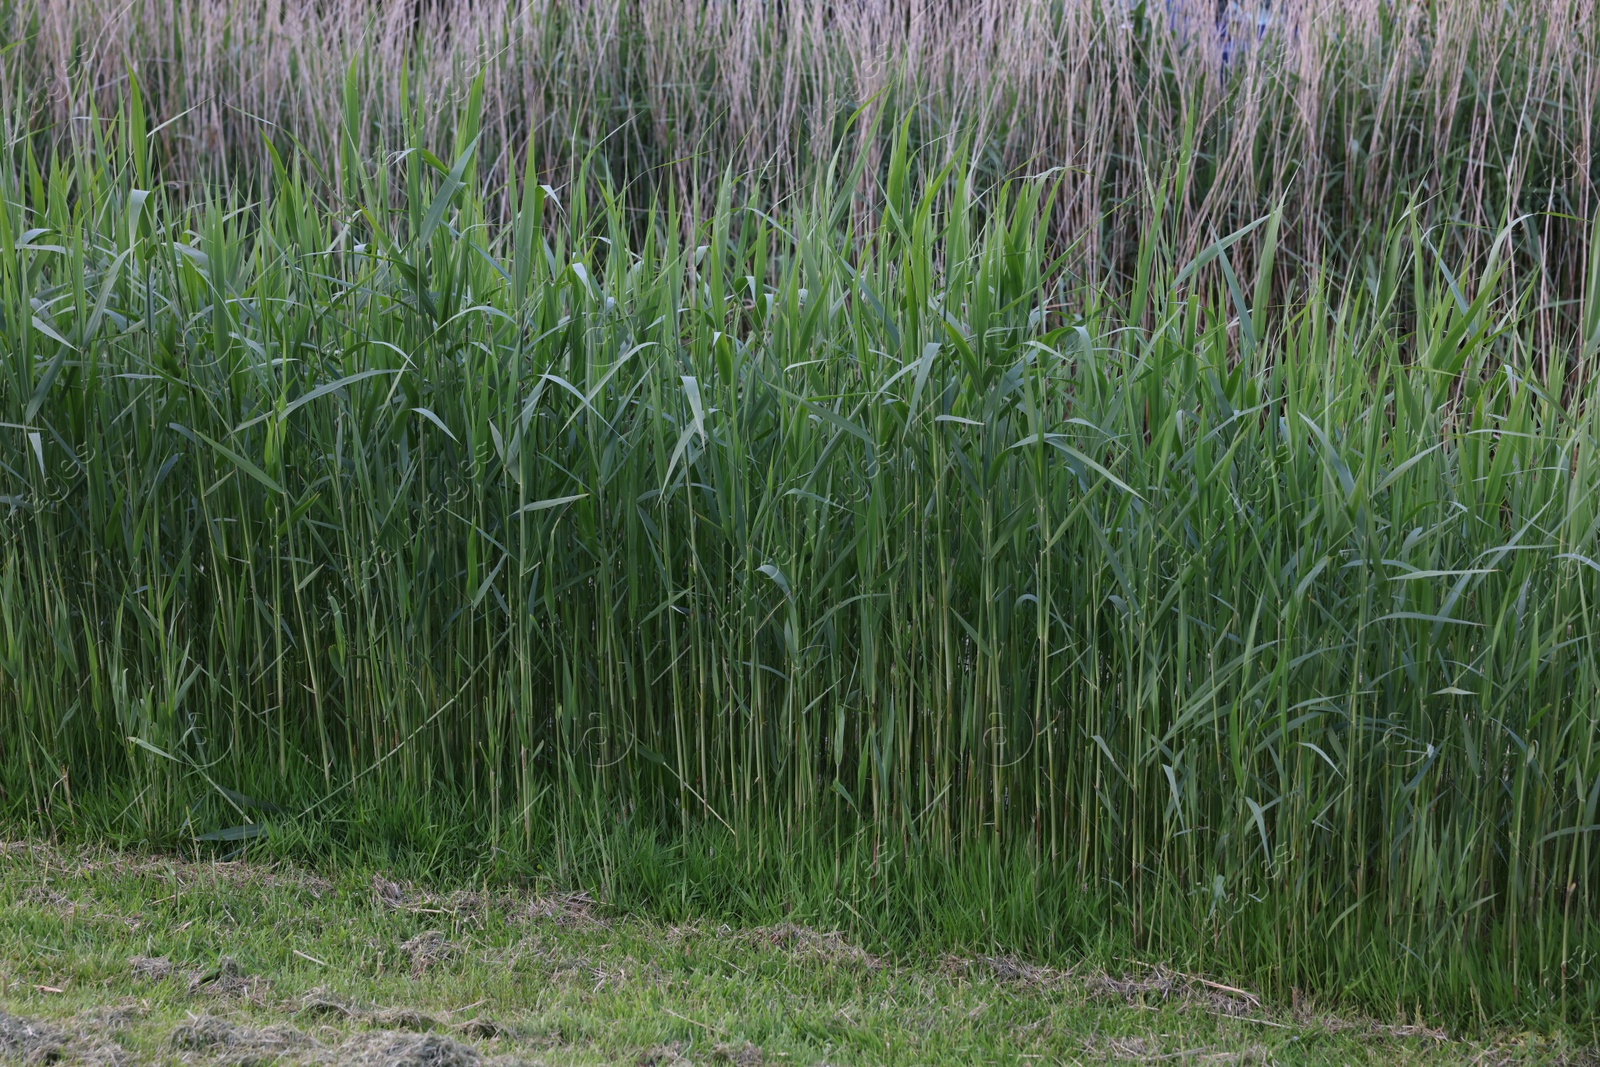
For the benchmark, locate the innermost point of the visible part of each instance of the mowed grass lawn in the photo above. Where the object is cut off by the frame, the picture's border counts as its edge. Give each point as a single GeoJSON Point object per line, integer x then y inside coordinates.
{"type": "Point", "coordinates": [117, 958]}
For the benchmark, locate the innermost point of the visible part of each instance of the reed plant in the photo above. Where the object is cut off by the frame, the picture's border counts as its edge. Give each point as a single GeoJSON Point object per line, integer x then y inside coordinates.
{"type": "Point", "coordinates": [789, 551]}
{"type": "Point", "coordinates": [1339, 111]}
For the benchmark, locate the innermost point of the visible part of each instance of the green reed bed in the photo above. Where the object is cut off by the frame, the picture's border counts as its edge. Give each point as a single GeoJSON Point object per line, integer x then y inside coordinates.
{"type": "Point", "coordinates": [805, 556]}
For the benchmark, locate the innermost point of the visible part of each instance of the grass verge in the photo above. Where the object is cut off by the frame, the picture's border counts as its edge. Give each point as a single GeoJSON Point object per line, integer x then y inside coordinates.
{"type": "Point", "coordinates": [121, 958]}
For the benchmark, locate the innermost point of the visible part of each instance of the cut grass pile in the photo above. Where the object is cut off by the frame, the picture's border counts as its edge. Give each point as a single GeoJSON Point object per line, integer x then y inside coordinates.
{"type": "Point", "coordinates": [119, 959]}
{"type": "Point", "coordinates": [847, 550]}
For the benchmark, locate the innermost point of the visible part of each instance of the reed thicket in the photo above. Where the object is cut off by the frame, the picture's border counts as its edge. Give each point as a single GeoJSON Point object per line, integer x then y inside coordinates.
{"type": "Point", "coordinates": [833, 542]}
{"type": "Point", "coordinates": [1337, 110]}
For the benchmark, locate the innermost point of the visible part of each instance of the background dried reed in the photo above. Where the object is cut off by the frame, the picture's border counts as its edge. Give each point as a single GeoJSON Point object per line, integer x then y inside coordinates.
{"type": "Point", "coordinates": [1341, 110]}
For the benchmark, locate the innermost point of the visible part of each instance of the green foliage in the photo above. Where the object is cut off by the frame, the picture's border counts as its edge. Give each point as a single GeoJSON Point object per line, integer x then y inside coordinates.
{"type": "Point", "coordinates": [851, 548]}
{"type": "Point", "coordinates": [525, 974]}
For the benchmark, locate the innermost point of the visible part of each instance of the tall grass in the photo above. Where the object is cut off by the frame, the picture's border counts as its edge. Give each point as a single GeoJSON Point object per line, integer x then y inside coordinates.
{"type": "Point", "coordinates": [1336, 110]}
{"type": "Point", "coordinates": [878, 554]}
